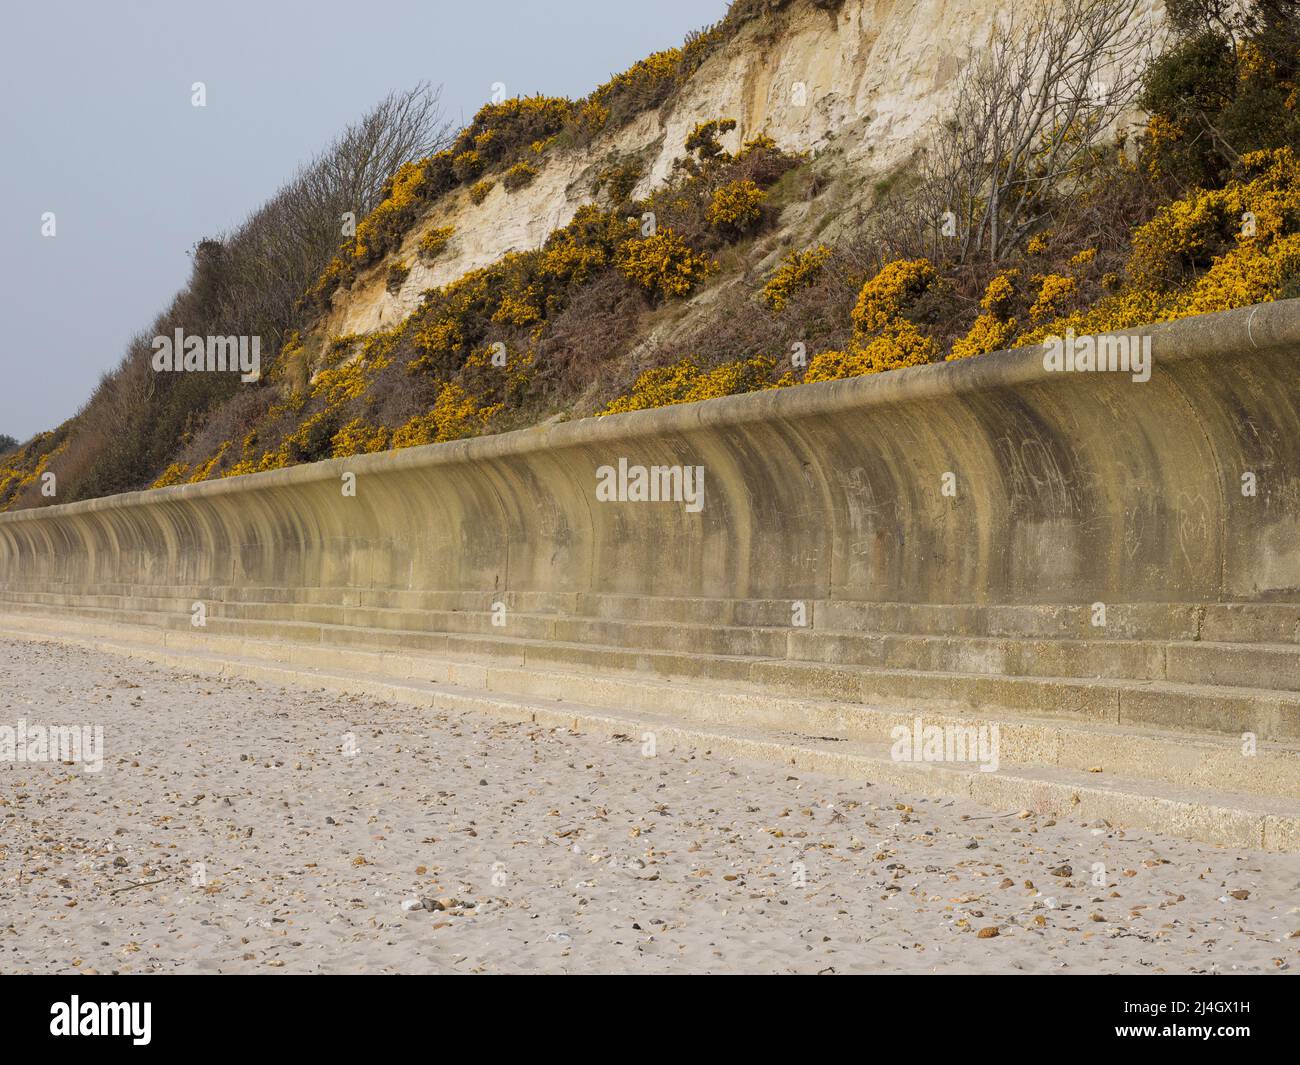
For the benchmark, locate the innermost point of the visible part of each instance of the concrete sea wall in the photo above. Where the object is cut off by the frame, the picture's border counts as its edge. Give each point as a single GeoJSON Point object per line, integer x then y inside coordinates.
{"type": "Point", "coordinates": [990, 480]}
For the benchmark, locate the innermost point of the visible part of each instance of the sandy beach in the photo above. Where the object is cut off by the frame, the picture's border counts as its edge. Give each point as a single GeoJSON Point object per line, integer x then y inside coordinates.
{"type": "Point", "coordinates": [237, 827]}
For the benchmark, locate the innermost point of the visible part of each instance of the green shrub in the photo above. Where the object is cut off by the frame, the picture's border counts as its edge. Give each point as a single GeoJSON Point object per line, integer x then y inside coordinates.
{"type": "Point", "coordinates": [736, 208]}
{"type": "Point", "coordinates": [663, 264]}
{"type": "Point", "coordinates": [798, 270]}
{"type": "Point", "coordinates": [518, 176]}
{"type": "Point", "coordinates": [703, 139]}
{"type": "Point", "coordinates": [1228, 87]}
{"type": "Point", "coordinates": [434, 242]}
{"type": "Point", "coordinates": [467, 165]}
{"type": "Point", "coordinates": [618, 180]}
{"type": "Point", "coordinates": [396, 277]}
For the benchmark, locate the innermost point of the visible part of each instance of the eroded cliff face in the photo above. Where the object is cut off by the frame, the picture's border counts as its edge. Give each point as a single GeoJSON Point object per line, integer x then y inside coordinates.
{"type": "Point", "coordinates": [857, 87]}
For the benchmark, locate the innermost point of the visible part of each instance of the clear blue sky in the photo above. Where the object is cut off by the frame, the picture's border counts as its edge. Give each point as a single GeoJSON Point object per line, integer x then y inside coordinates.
{"type": "Point", "coordinates": [96, 126]}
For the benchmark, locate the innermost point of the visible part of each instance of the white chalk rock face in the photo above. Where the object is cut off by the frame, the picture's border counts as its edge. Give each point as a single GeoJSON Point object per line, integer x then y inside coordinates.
{"type": "Point", "coordinates": [868, 80]}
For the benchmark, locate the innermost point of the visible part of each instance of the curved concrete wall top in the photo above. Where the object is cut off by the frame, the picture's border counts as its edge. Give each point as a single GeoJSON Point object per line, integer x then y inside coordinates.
{"type": "Point", "coordinates": [1068, 487]}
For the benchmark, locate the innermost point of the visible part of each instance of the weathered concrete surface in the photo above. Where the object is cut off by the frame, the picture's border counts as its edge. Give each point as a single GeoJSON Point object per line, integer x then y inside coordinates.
{"type": "Point", "coordinates": [1180, 714]}
{"type": "Point", "coordinates": [1070, 489]}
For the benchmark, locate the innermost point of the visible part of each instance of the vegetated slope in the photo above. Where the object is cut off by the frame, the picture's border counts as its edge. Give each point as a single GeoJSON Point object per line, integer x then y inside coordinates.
{"type": "Point", "coordinates": [808, 190]}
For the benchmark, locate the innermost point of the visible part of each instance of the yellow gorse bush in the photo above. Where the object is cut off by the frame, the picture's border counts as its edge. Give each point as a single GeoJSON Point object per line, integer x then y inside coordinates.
{"type": "Point", "coordinates": [592, 116]}
{"type": "Point", "coordinates": [467, 165]}
{"type": "Point", "coordinates": [393, 213]}
{"type": "Point", "coordinates": [899, 345]}
{"type": "Point", "coordinates": [173, 474]}
{"type": "Point", "coordinates": [994, 329]}
{"type": "Point", "coordinates": [798, 270]}
{"type": "Point", "coordinates": [518, 176]}
{"type": "Point", "coordinates": [349, 380]}
{"type": "Point", "coordinates": [203, 472]}
{"type": "Point", "coordinates": [1161, 132]}
{"type": "Point", "coordinates": [685, 382]}
{"type": "Point", "coordinates": [882, 338]}
{"type": "Point", "coordinates": [663, 264]}
{"type": "Point", "coordinates": [1000, 293]}
{"type": "Point", "coordinates": [895, 288]}
{"type": "Point", "coordinates": [435, 241]}
{"type": "Point", "coordinates": [350, 367]}
{"type": "Point", "coordinates": [643, 82]}
{"type": "Point", "coordinates": [703, 138]}
{"type": "Point", "coordinates": [736, 207]}
{"type": "Point", "coordinates": [455, 414]}
{"type": "Point", "coordinates": [1209, 251]}
{"type": "Point", "coordinates": [1248, 214]}
{"type": "Point", "coordinates": [1055, 294]}
{"type": "Point", "coordinates": [358, 438]}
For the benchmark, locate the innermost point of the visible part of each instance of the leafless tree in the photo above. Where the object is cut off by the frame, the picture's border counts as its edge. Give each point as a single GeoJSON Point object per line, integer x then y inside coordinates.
{"type": "Point", "coordinates": [246, 283]}
{"type": "Point", "coordinates": [281, 249]}
{"type": "Point", "coordinates": [1029, 112]}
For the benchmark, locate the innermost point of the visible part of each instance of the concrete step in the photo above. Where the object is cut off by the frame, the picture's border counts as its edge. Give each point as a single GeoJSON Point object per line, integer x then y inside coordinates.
{"type": "Point", "coordinates": [1203, 760]}
{"type": "Point", "coordinates": [1217, 816]}
{"type": "Point", "coordinates": [1212, 622]}
{"type": "Point", "coordinates": [1275, 666]}
{"type": "Point", "coordinates": [1221, 622]}
{"type": "Point", "coordinates": [1233, 710]}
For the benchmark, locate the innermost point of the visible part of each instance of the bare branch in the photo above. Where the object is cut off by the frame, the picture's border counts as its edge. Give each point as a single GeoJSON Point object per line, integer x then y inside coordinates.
{"type": "Point", "coordinates": [1029, 113]}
